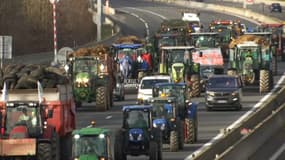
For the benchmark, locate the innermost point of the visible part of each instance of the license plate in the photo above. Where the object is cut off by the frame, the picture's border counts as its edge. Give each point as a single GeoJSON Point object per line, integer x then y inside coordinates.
{"type": "Point", "coordinates": [130, 85]}
{"type": "Point", "coordinates": [222, 101]}
{"type": "Point", "coordinates": [132, 81]}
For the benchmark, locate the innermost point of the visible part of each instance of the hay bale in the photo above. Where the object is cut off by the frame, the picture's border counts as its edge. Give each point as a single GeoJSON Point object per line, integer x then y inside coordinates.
{"type": "Point", "coordinates": [129, 40]}
{"type": "Point", "coordinates": [241, 39]}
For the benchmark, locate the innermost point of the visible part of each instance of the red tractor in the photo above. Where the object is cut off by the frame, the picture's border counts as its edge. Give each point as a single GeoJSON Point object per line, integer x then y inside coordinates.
{"type": "Point", "coordinates": [37, 123]}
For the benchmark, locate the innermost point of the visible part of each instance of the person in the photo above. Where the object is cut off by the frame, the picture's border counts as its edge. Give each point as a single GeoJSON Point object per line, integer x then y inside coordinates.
{"type": "Point", "coordinates": [24, 116]}
{"type": "Point", "coordinates": [140, 122]}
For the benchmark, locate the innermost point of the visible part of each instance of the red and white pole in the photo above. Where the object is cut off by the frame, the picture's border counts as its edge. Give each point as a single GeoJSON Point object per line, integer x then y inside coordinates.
{"type": "Point", "coordinates": [54, 31]}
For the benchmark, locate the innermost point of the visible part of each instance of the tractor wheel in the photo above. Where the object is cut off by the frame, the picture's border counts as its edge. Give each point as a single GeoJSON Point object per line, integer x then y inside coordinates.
{"type": "Point", "coordinates": [101, 98]}
{"type": "Point", "coordinates": [174, 141]}
{"type": "Point", "coordinates": [196, 88]}
{"type": "Point", "coordinates": [44, 151]}
{"type": "Point", "coordinates": [66, 146]}
{"type": "Point", "coordinates": [274, 65]}
{"type": "Point", "coordinates": [189, 131]}
{"type": "Point", "coordinates": [153, 151]}
{"type": "Point", "coordinates": [55, 146]}
{"type": "Point", "coordinates": [181, 135]}
{"type": "Point", "coordinates": [118, 147]}
{"type": "Point", "coordinates": [231, 72]}
{"type": "Point", "coordinates": [264, 81]}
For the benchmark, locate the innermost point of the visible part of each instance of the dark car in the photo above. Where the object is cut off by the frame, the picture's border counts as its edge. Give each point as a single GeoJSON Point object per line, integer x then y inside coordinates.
{"type": "Point", "coordinates": [275, 7]}
{"type": "Point", "coordinates": [223, 91]}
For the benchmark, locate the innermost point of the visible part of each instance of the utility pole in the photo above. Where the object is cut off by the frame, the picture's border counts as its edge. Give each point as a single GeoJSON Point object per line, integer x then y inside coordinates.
{"type": "Point", "coordinates": [99, 19]}
{"type": "Point", "coordinates": [53, 2]}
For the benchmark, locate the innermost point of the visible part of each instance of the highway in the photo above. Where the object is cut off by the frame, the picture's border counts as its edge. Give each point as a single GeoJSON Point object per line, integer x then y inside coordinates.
{"type": "Point", "coordinates": [147, 13]}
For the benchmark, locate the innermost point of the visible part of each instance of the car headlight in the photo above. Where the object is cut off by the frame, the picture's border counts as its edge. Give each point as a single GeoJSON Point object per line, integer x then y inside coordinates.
{"type": "Point", "coordinates": [235, 93]}
{"type": "Point", "coordinates": [131, 137]}
{"type": "Point", "coordinates": [118, 85]}
{"type": "Point", "coordinates": [162, 127]}
{"type": "Point", "coordinates": [210, 93]}
{"type": "Point", "coordinates": [140, 137]}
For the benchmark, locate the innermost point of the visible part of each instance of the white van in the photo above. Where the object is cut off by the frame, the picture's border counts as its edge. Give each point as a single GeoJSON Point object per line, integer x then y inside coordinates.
{"type": "Point", "coordinates": [146, 84]}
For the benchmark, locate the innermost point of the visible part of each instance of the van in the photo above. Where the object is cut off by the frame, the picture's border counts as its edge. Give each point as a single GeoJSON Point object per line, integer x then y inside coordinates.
{"type": "Point", "coordinates": [146, 85]}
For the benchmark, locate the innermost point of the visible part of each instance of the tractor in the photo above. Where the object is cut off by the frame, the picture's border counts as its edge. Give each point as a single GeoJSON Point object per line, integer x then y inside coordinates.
{"type": "Point", "coordinates": [187, 111]}
{"type": "Point", "coordinates": [133, 59]}
{"type": "Point", "coordinates": [137, 135]}
{"type": "Point", "coordinates": [91, 143]}
{"type": "Point", "coordinates": [177, 61]}
{"type": "Point", "coordinates": [166, 118]}
{"type": "Point", "coordinates": [92, 73]}
{"type": "Point", "coordinates": [250, 57]}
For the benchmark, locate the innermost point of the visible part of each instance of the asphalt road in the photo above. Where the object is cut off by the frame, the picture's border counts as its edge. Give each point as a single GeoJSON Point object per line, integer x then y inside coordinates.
{"type": "Point", "coordinates": [209, 122]}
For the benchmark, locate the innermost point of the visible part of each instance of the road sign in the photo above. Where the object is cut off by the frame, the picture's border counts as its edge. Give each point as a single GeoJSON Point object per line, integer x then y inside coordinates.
{"type": "Point", "coordinates": [53, 1]}
{"type": "Point", "coordinates": [62, 55]}
{"type": "Point", "coordinates": [5, 47]}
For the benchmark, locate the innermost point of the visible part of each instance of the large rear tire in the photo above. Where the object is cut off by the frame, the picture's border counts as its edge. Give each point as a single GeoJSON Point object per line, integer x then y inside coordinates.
{"type": "Point", "coordinates": [44, 151]}
{"type": "Point", "coordinates": [66, 146]}
{"type": "Point", "coordinates": [181, 135]}
{"type": "Point", "coordinates": [119, 147]}
{"type": "Point", "coordinates": [174, 144]}
{"type": "Point", "coordinates": [196, 87]}
{"type": "Point", "coordinates": [102, 98]}
{"type": "Point", "coordinates": [153, 151]}
{"type": "Point", "coordinates": [189, 131]}
{"type": "Point", "coordinates": [55, 146]}
{"type": "Point", "coordinates": [264, 81]}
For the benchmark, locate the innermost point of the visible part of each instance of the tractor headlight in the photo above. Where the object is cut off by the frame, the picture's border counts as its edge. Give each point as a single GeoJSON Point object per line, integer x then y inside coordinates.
{"type": "Point", "coordinates": [140, 137]}
{"type": "Point", "coordinates": [76, 136]}
{"type": "Point", "coordinates": [154, 125]}
{"type": "Point", "coordinates": [162, 127]}
{"type": "Point", "coordinates": [102, 67]}
{"type": "Point", "coordinates": [131, 137]}
{"type": "Point", "coordinates": [101, 136]}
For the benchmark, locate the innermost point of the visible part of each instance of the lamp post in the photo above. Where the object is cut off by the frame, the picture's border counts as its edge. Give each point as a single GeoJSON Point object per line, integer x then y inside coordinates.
{"type": "Point", "coordinates": [53, 2]}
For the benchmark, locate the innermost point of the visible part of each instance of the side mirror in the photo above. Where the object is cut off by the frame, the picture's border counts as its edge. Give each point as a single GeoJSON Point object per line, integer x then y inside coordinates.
{"type": "Point", "coordinates": [0, 121]}
{"type": "Point", "coordinates": [50, 113]}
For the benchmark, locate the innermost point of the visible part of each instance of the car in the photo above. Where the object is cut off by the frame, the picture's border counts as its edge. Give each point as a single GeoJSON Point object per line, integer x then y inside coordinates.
{"type": "Point", "coordinates": [243, 28]}
{"type": "Point", "coordinates": [224, 91]}
{"type": "Point", "coordinates": [146, 85]}
{"type": "Point", "coordinates": [275, 7]}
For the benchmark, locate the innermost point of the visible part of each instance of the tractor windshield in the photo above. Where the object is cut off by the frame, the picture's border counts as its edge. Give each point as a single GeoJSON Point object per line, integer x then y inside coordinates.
{"type": "Point", "coordinates": [178, 55]}
{"type": "Point", "coordinates": [177, 91]}
{"type": "Point", "coordinates": [89, 146]}
{"type": "Point", "coordinates": [162, 110]}
{"type": "Point", "coordinates": [130, 52]}
{"type": "Point", "coordinates": [138, 119]}
{"type": "Point", "coordinates": [203, 41]}
{"type": "Point", "coordinates": [21, 115]}
{"type": "Point", "coordinates": [149, 83]}
{"type": "Point", "coordinates": [85, 65]}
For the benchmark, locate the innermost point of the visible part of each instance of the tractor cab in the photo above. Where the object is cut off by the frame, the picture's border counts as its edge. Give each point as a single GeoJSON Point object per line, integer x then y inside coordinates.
{"type": "Point", "coordinates": [204, 40]}
{"type": "Point", "coordinates": [224, 28]}
{"type": "Point", "coordinates": [163, 108]}
{"type": "Point", "coordinates": [137, 117]}
{"type": "Point", "coordinates": [91, 143]}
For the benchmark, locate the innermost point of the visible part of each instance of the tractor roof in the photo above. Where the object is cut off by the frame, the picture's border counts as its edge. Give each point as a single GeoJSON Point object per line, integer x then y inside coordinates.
{"type": "Point", "coordinates": [166, 98]}
{"type": "Point", "coordinates": [90, 131]}
{"type": "Point", "coordinates": [130, 46]}
{"type": "Point", "coordinates": [169, 84]}
{"type": "Point", "coordinates": [136, 107]}
{"type": "Point", "coordinates": [177, 47]}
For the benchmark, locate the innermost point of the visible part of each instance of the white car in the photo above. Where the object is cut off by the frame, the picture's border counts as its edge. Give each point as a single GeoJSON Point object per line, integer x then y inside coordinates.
{"type": "Point", "coordinates": [146, 85]}
{"type": "Point", "coordinates": [193, 19]}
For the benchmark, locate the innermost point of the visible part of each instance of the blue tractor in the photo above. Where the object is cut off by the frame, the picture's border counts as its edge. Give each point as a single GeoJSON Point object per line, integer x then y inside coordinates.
{"type": "Point", "coordinates": [137, 135]}
{"type": "Point", "coordinates": [166, 118]}
{"type": "Point", "coordinates": [187, 110]}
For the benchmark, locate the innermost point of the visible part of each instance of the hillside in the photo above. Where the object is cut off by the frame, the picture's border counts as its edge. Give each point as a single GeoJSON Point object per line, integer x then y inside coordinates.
{"type": "Point", "coordinates": [30, 22]}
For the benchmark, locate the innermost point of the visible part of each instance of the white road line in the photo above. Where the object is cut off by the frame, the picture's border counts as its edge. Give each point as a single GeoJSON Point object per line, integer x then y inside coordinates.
{"type": "Point", "coordinates": [278, 153]}
{"type": "Point", "coordinates": [148, 11]}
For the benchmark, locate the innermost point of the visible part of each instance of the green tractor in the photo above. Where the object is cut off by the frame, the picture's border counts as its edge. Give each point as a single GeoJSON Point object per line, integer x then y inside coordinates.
{"type": "Point", "coordinates": [177, 61]}
{"type": "Point", "coordinates": [92, 78]}
{"type": "Point", "coordinates": [252, 61]}
{"type": "Point", "coordinates": [91, 143]}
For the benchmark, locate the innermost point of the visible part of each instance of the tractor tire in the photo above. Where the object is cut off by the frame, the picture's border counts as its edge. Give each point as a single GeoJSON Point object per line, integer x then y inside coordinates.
{"type": "Point", "coordinates": [102, 98]}
{"type": "Point", "coordinates": [181, 135]}
{"type": "Point", "coordinates": [66, 146]}
{"type": "Point", "coordinates": [231, 72]}
{"type": "Point", "coordinates": [264, 81]}
{"type": "Point", "coordinates": [118, 147]}
{"type": "Point", "coordinates": [153, 151]}
{"type": "Point", "coordinates": [44, 151]}
{"type": "Point", "coordinates": [55, 146]}
{"type": "Point", "coordinates": [196, 88]}
{"type": "Point", "coordinates": [174, 138]}
{"type": "Point", "coordinates": [274, 65]}
{"type": "Point", "coordinates": [189, 131]}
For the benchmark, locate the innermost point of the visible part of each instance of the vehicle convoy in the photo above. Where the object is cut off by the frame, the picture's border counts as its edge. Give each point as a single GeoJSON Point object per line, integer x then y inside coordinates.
{"type": "Point", "coordinates": [251, 59]}
{"type": "Point", "coordinates": [92, 71]}
{"type": "Point", "coordinates": [37, 114]}
{"type": "Point", "coordinates": [137, 135]}
{"type": "Point", "coordinates": [133, 59]}
{"type": "Point", "coordinates": [186, 110]}
{"type": "Point", "coordinates": [177, 61]}
{"type": "Point", "coordinates": [146, 85]}
{"type": "Point", "coordinates": [166, 118]}
{"type": "Point", "coordinates": [91, 143]}
{"type": "Point", "coordinates": [193, 21]}
{"type": "Point", "coordinates": [223, 91]}
{"type": "Point", "coordinates": [277, 38]}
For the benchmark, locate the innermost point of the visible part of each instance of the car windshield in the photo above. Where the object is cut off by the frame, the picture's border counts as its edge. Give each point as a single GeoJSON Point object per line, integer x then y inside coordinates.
{"type": "Point", "coordinates": [21, 115]}
{"type": "Point", "coordinates": [137, 119]}
{"type": "Point", "coordinates": [222, 82]}
{"type": "Point", "coordinates": [206, 71]}
{"type": "Point", "coordinates": [89, 145]}
{"type": "Point", "coordinates": [149, 83]}
{"type": "Point", "coordinates": [161, 109]}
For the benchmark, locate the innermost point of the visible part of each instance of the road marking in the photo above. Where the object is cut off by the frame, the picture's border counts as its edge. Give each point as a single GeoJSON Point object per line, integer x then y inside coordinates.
{"type": "Point", "coordinates": [278, 153]}
{"type": "Point", "coordinates": [148, 11]}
